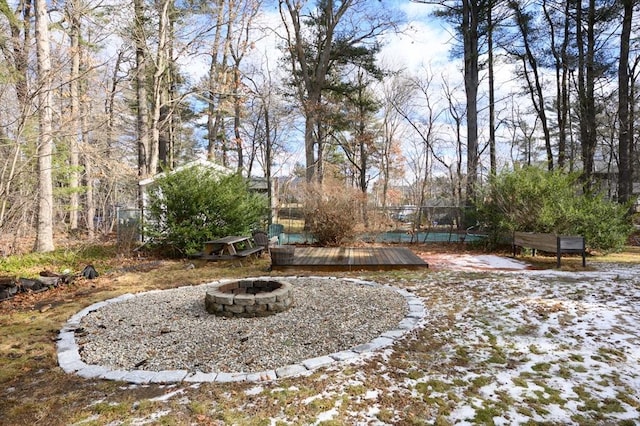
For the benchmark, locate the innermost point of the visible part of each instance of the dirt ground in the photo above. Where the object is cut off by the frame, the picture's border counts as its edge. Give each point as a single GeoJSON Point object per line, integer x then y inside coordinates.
{"type": "Point", "coordinates": [398, 388]}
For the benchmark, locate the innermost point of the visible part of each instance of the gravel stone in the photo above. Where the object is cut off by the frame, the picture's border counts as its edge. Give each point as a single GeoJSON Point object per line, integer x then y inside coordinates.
{"type": "Point", "coordinates": [171, 330]}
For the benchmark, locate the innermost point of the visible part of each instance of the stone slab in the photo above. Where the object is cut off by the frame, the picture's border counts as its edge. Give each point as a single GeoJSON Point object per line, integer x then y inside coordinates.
{"type": "Point", "coordinates": [92, 371]}
{"type": "Point", "coordinates": [394, 334]}
{"type": "Point", "coordinates": [70, 361]}
{"type": "Point", "coordinates": [66, 342]}
{"type": "Point", "coordinates": [408, 323]}
{"type": "Point", "coordinates": [139, 376]}
{"type": "Point", "coordinates": [169, 376]}
{"type": "Point", "coordinates": [114, 375]}
{"type": "Point", "coordinates": [291, 370]}
{"type": "Point", "coordinates": [262, 376]}
{"type": "Point", "coordinates": [199, 377]}
{"type": "Point", "coordinates": [344, 355]}
{"type": "Point", "coordinates": [318, 362]}
{"type": "Point", "coordinates": [375, 344]}
{"type": "Point", "coordinates": [231, 377]}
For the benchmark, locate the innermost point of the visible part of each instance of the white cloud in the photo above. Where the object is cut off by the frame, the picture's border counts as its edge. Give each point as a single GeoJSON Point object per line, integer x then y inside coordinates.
{"type": "Point", "coordinates": [417, 45]}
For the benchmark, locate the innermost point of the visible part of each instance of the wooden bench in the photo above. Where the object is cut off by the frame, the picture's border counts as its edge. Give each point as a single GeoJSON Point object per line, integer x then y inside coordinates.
{"type": "Point", "coordinates": [215, 257]}
{"type": "Point", "coordinates": [249, 251]}
{"type": "Point", "coordinates": [550, 243]}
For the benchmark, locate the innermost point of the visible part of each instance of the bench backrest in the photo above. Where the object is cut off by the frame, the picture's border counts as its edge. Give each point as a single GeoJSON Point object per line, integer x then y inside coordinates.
{"type": "Point", "coordinates": [544, 242]}
{"type": "Point", "coordinates": [548, 242]}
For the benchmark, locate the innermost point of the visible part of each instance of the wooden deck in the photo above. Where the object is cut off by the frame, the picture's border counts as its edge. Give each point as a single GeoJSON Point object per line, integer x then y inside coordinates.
{"type": "Point", "coordinates": [352, 259]}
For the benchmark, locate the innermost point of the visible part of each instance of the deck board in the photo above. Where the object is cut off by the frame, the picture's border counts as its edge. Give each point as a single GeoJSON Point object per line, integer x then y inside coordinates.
{"type": "Point", "coordinates": [352, 258]}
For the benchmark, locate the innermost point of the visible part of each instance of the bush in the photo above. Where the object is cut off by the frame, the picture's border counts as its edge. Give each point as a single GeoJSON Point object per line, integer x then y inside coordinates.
{"type": "Point", "coordinates": [190, 206]}
{"type": "Point", "coordinates": [331, 212]}
{"type": "Point", "coordinates": [535, 200]}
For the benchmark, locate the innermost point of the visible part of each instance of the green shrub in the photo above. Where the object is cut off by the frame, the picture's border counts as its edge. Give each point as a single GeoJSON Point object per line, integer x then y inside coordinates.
{"type": "Point", "coordinates": [190, 206]}
{"type": "Point", "coordinates": [535, 200]}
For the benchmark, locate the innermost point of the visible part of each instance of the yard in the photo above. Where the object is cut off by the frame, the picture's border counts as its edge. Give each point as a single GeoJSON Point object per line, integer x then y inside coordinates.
{"type": "Point", "coordinates": [500, 344]}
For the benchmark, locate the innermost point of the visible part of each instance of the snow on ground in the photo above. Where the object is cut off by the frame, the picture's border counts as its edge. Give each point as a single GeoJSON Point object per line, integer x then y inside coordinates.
{"type": "Point", "coordinates": [534, 346]}
{"type": "Point", "coordinates": [515, 346]}
{"type": "Point", "coordinates": [500, 344]}
{"type": "Point", "coordinates": [469, 262]}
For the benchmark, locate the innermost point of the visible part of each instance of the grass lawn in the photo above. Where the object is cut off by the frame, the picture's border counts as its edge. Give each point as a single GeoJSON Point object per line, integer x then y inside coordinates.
{"type": "Point", "coordinates": [540, 346]}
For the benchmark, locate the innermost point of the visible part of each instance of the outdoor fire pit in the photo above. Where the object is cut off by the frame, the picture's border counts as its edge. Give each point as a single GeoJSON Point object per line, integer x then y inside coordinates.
{"type": "Point", "coordinates": [249, 298]}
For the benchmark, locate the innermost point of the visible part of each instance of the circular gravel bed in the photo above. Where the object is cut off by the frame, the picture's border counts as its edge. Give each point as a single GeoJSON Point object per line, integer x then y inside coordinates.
{"type": "Point", "coordinates": [171, 330]}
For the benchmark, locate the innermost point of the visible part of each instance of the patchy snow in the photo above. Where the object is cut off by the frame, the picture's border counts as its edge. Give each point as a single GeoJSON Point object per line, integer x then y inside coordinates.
{"type": "Point", "coordinates": [256, 390]}
{"type": "Point", "coordinates": [472, 262]}
{"type": "Point", "coordinates": [487, 261]}
{"type": "Point", "coordinates": [327, 415]}
{"type": "Point", "coordinates": [508, 345]}
{"type": "Point", "coordinates": [167, 396]}
{"type": "Point", "coordinates": [570, 341]}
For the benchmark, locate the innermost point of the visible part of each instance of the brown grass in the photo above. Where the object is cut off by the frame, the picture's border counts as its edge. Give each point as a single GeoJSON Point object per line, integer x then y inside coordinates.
{"type": "Point", "coordinates": [34, 390]}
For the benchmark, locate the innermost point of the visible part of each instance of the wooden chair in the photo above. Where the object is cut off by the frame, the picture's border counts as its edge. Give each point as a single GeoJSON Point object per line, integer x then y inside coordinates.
{"type": "Point", "coordinates": [275, 229]}
{"type": "Point", "coordinates": [261, 239]}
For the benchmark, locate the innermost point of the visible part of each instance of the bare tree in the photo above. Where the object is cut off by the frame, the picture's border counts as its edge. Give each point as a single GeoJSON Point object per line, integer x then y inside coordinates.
{"type": "Point", "coordinates": [17, 112]}
{"type": "Point", "coordinates": [469, 16]}
{"type": "Point", "coordinates": [395, 96]}
{"type": "Point", "coordinates": [531, 72]}
{"type": "Point", "coordinates": [423, 114]}
{"type": "Point", "coordinates": [218, 79]}
{"type": "Point", "coordinates": [456, 113]}
{"type": "Point", "coordinates": [73, 10]}
{"type": "Point", "coordinates": [142, 114]}
{"type": "Point", "coordinates": [240, 45]}
{"type": "Point", "coordinates": [268, 126]}
{"type": "Point", "coordinates": [44, 235]}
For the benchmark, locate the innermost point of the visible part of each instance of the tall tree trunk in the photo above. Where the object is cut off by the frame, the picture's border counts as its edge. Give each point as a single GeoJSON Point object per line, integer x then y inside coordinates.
{"type": "Point", "coordinates": [170, 124]}
{"type": "Point", "coordinates": [561, 72]}
{"type": "Point", "coordinates": [470, 18]}
{"type": "Point", "coordinates": [76, 130]}
{"type": "Point", "coordinates": [44, 236]}
{"type": "Point", "coordinates": [90, 204]}
{"type": "Point", "coordinates": [267, 163]}
{"type": "Point", "coordinates": [310, 143]}
{"type": "Point", "coordinates": [159, 85]}
{"type": "Point", "coordinates": [586, 89]}
{"type": "Point", "coordinates": [245, 13]}
{"type": "Point", "coordinates": [492, 95]}
{"type": "Point", "coordinates": [633, 158]}
{"type": "Point", "coordinates": [213, 95]}
{"type": "Point", "coordinates": [222, 86]}
{"type": "Point", "coordinates": [624, 136]}
{"type": "Point", "coordinates": [237, 111]}
{"type": "Point", "coordinates": [142, 122]}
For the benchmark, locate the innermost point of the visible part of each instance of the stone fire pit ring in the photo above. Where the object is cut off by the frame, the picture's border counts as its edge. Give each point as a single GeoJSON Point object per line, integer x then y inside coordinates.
{"type": "Point", "coordinates": [248, 298]}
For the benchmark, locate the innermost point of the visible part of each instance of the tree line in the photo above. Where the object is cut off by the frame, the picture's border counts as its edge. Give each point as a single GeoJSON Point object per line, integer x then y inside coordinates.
{"type": "Point", "coordinates": [97, 96]}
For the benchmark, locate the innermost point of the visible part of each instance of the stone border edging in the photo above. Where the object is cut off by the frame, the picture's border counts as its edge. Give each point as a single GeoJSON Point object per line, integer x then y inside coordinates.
{"type": "Point", "coordinates": [70, 361]}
